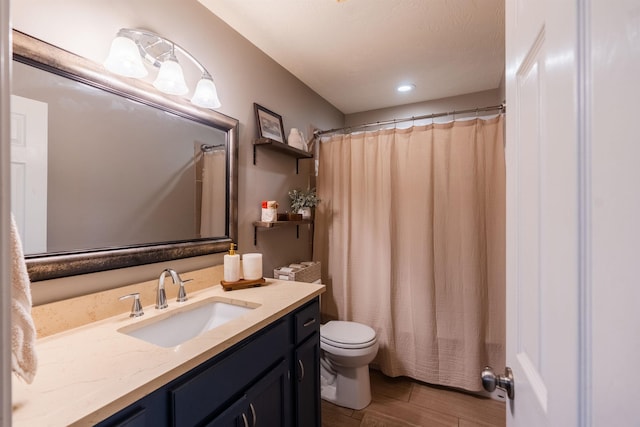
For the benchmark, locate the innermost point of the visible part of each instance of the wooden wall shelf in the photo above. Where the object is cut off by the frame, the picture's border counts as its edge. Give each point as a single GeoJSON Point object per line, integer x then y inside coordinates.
{"type": "Point", "coordinates": [270, 225]}
{"type": "Point", "coordinates": [273, 145]}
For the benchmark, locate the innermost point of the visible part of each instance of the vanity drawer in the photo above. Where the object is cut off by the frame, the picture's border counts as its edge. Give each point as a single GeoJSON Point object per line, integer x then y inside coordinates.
{"type": "Point", "coordinates": [307, 321]}
{"type": "Point", "coordinates": [203, 394]}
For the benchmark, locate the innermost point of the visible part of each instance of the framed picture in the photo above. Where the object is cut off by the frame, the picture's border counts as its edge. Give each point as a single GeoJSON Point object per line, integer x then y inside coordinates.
{"type": "Point", "coordinates": [269, 124]}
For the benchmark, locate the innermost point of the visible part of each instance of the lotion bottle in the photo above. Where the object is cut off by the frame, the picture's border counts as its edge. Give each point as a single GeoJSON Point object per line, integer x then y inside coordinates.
{"type": "Point", "coordinates": [232, 265]}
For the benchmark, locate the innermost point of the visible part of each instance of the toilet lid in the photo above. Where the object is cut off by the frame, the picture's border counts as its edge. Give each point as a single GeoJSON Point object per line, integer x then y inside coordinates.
{"type": "Point", "coordinates": [349, 333]}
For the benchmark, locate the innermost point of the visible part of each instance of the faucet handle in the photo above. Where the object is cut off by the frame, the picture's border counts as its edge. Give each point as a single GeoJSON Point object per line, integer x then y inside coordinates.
{"type": "Point", "coordinates": [182, 294]}
{"type": "Point", "coordinates": [136, 308]}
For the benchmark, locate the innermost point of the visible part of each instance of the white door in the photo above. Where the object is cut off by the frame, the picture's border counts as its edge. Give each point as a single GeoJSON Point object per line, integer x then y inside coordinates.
{"type": "Point", "coordinates": [543, 237]}
{"type": "Point", "coordinates": [29, 171]}
{"type": "Point", "coordinates": [614, 216]}
{"type": "Point", "coordinates": [573, 212]}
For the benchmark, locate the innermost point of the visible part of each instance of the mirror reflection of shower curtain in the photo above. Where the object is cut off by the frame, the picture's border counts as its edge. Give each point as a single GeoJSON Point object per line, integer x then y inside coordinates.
{"type": "Point", "coordinates": [411, 236]}
{"type": "Point", "coordinates": [213, 206]}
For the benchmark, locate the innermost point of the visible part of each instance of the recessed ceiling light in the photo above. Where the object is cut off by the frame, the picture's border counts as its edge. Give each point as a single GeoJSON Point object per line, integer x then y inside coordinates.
{"type": "Point", "coordinates": [406, 88]}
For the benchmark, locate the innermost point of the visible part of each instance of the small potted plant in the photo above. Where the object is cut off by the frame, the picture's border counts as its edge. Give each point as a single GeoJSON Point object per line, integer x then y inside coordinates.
{"type": "Point", "coordinates": [303, 201]}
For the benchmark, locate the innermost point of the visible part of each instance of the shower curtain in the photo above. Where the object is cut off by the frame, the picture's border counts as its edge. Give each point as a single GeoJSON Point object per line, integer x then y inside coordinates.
{"type": "Point", "coordinates": [411, 236]}
{"type": "Point", "coordinates": [212, 223]}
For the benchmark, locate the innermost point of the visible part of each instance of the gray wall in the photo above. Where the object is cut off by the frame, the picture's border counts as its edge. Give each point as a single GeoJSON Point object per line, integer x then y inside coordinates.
{"type": "Point", "coordinates": [243, 75]}
{"type": "Point", "coordinates": [472, 100]}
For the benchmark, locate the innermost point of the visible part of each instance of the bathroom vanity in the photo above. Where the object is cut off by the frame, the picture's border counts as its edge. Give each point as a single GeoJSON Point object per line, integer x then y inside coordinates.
{"type": "Point", "coordinates": [268, 379]}
{"type": "Point", "coordinates": [260, 369]}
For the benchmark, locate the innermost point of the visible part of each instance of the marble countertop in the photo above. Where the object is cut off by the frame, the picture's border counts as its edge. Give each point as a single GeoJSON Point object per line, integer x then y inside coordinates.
{"type": "Point", "coordinates": [91, 372]}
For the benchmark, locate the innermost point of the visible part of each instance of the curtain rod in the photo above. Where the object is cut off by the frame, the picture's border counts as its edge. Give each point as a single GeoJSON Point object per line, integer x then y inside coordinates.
{"type": "Point", "coordinates": [502, 107]}
{"type": "Point", "coordinates": [208, 148]}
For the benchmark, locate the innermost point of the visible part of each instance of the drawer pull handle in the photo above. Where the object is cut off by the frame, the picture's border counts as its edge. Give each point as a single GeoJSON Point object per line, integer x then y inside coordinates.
{"type": "Point", "coordinates": [244, 418]}
{"type": "Point", "coordinates": [301, 370]}
{"type": "Point", "coordinates": [253, 414]}
{"type": "Point", "coordinates": [310, 322]}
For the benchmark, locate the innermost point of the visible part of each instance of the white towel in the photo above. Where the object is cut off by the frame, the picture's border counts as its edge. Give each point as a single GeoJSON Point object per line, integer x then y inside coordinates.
{"type": "Point", "coordinates": [23, 332]}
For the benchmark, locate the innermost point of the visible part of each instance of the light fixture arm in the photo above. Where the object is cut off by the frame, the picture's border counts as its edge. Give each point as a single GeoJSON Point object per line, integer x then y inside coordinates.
{"type": "Point", "coordinates": [149, 42]}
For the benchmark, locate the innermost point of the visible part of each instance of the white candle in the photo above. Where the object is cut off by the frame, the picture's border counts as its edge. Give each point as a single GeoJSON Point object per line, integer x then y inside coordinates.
{"type": "Point", "coordinates": [252, 266]}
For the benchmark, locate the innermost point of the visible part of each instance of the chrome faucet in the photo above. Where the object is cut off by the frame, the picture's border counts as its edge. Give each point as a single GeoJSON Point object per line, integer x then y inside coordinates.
{"type": "Point", "coordinates": [161, 297]}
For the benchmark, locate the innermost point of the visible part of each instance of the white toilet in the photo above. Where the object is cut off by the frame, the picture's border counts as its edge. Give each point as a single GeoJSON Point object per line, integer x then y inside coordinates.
{"type": "Point", "coordinates": [347, 349]}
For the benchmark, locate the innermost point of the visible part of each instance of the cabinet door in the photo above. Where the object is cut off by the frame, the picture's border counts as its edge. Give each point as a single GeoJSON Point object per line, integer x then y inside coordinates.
{"type": "Point", "coordinates": [265, 404]}
{"type": "Point", "coordinates": [232, 416]}
{"type": "Point", "coordinates": [202, 392]}
{"type": "Point", "coordinates": [270, 399]}
{"type": "Point", "coordinates": [307, 382]}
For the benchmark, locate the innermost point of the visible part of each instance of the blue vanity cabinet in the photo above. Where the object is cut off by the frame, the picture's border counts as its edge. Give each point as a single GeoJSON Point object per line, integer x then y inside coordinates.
{"type": "Point", "coordinates": [270, 399]}
{"type": "Point", "coordinates": [265, 403]}
{"type": "Point", "coordinates": [306, 357]}
{"type": "Point", "coordinates": [257, 382]}
{"type": "Point", "coordinates": [307, 383]}
{"type": "Point", "coordinates": [199, 395]}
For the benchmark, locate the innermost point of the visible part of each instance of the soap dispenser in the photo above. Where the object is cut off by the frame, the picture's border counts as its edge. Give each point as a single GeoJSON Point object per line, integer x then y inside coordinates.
{"type": "Point", "coordinates": [232, 265]}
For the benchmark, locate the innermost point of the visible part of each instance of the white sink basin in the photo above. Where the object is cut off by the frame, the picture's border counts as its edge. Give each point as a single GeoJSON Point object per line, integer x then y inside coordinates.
{"type": "Point", "coordinates": [183, 324]}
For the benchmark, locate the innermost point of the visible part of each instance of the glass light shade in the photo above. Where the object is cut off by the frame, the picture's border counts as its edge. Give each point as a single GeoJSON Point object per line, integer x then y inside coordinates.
{"type": "Point", "coordinates": [124, 58]}
{"type": "Point", "coordinates": [206, 95]}
{"type": "Point", "coordinates": [171, 78]}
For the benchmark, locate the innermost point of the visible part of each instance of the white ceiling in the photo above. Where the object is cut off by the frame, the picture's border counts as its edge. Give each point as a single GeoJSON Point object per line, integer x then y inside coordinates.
{"type": "Point", "coordinates": [355, 52]}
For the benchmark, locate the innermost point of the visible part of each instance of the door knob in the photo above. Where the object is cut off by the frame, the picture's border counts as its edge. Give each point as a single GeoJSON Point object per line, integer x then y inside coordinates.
{"type": "Point", "coordinates": [490, 381]}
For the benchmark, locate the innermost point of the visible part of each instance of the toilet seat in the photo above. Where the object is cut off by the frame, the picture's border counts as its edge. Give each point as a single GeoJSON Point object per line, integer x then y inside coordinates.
{"type": "Point", "coordinates": [344, 334]}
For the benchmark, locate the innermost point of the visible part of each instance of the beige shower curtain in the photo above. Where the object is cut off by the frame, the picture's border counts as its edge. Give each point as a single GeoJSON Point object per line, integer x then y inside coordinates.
{"type": "Point", "coordinates": [213, 205]}
{"type": "Point", "coordinates": [411, 232]}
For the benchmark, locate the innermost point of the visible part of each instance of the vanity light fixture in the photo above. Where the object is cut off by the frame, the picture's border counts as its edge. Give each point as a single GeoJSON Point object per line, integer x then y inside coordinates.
{"type": "Point", "coordinates": [406, 88]}
{"type": "Point", "coordinates": [131, 46]}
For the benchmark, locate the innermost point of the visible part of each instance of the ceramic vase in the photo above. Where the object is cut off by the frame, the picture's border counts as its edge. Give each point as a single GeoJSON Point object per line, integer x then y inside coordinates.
{"type": "Point", "coordinates": [296, 139]}
{"type": "Point", "coordinates": [306, 213]}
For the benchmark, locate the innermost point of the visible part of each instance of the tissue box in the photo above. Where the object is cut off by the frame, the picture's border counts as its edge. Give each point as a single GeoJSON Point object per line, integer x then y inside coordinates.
{"type": "Point", "coordinates": [308, 271]}
{"type": "Point", "coordinates": [269, 214]}
{"type": "Point", "coordinates": [269, 211]}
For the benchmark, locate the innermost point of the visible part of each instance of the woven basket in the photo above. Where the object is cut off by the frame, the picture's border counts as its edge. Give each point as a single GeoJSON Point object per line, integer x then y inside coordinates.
{"type": "Point", "coordinates": [309, 273]}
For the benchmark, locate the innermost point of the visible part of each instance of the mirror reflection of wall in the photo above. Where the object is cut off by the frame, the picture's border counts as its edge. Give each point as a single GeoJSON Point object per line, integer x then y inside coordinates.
{"type": "Point", "coordinates": [118, 172]}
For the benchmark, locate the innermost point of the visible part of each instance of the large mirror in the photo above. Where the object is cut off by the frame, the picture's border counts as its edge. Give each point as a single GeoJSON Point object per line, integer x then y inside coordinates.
{"type": "Point", "coordinates": [108, 173]}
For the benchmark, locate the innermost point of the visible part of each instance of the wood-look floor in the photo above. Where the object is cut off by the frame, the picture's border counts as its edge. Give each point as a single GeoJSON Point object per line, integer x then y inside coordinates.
{"type": "Point", "coordinates": [402, 402]}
